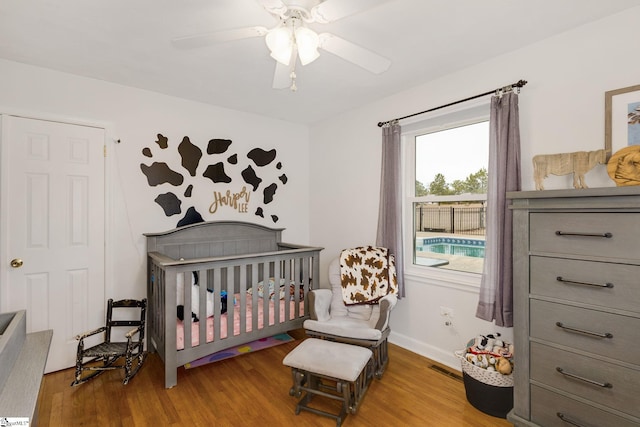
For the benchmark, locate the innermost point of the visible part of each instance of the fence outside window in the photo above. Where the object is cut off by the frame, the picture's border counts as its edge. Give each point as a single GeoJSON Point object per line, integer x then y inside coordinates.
{"type": "Point", "coordinates": [451, 218]}
{"type": "Point", "coordinates": [459, 214]}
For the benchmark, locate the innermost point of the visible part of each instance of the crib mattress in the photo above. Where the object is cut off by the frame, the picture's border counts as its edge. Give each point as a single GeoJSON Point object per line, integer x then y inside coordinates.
{"type": "Point", "coordinates": [195, 326]}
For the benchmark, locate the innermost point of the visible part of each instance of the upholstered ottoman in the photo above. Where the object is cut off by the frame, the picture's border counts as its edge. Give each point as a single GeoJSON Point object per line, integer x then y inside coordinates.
{"type": "Point", "coordinates": [330, 369]}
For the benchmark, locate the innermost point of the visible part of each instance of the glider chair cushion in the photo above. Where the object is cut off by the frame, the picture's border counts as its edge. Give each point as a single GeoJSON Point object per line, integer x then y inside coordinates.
{"type": "Point", "coordinates": [365, 325]}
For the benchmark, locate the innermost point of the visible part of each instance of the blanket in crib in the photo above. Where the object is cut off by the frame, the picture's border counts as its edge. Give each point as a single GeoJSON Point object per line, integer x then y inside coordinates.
{"type": "Point", "coordinates": [284, 292]}
{"type": "Point", "coordinates": [367, 274]}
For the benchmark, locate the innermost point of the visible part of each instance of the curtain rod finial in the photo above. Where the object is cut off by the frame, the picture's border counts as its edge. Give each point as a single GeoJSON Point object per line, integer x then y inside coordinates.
{"type": "Point", "coordinates": [380, 124]}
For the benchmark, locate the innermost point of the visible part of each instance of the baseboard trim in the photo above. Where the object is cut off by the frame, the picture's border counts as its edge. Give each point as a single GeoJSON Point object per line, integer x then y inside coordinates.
{"type": "Point", "coordinates": [430, 352]}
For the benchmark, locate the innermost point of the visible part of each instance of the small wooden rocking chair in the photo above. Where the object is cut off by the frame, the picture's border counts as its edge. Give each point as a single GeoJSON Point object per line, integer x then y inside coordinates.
{"type": "Point", "coordinates": [109, 352]}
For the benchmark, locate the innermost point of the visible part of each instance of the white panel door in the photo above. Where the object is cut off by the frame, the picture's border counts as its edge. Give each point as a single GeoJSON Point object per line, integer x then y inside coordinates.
{"type": "Point", "coordinates": [53, 229]}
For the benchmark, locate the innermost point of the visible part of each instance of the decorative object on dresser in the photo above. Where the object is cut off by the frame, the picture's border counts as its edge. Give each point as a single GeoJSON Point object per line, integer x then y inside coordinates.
{"type": "Point", "coordinates": [621, 118]}
{"type": "Point", "coordinates": [576, 307]}
{"type": "Point", "coordinates": [624, 166]}
{"type": "Point", "coordinates": [577, 163]}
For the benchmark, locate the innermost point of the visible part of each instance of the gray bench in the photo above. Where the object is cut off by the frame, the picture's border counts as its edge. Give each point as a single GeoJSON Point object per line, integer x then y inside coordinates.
{"type": "Point", "coordinates": [330, 369]}
{"type": "Point", "coordinates": [22, 361]}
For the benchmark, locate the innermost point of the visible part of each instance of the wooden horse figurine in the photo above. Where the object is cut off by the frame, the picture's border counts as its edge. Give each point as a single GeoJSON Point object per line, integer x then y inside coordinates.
{"type": "Point", "coordinates": [577, 163]}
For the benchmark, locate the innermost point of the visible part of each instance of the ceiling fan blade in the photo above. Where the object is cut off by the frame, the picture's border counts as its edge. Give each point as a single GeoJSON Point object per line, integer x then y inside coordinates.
{"type": "Point", "coordinates": [207, 39]}
{"type": "Point", "coordinates": [332, 10]}
{"type": "Point", "coordinates": [275, 7]}
{"type": "Point", "coordinates": [282, 76]}
{"type": "Point", "coordinates": [348, 51]}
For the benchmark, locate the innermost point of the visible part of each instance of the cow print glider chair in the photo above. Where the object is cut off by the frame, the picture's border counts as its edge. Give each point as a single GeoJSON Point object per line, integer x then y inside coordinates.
{"type": "Point", "coordinates": [94, 360]}
{"type": "Point", "coordinates": [357, 307]}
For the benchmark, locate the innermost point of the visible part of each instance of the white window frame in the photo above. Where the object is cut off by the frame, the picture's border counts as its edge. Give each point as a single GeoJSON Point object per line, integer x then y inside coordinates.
{"type": "Point", "coordinates": [462, 116]}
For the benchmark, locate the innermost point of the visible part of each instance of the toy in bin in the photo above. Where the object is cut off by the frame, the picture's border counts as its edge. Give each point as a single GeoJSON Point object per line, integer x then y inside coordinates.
{"type": "Point", "coordinates": [487, 366]}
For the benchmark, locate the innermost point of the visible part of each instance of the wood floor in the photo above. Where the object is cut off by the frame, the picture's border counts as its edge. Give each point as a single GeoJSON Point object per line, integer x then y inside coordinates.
{"type": "Point", "coordinates": [253, 390]}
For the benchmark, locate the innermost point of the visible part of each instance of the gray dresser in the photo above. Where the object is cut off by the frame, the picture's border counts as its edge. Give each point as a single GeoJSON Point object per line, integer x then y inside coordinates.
{"type": "Point", "coordinates": [577, 307]}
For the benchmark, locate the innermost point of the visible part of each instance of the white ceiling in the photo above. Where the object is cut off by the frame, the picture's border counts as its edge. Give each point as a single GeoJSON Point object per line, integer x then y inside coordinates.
{"type": "Point", "coordinates": [128, 42]}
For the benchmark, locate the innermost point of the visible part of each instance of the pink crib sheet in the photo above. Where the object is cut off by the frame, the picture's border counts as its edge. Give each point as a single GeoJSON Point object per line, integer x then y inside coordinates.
{"type": "Point", "coordinates": [195, 332]}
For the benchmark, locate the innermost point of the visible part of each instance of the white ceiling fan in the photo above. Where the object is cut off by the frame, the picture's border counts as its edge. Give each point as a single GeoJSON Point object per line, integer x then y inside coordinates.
{"type": "Point", "coordinates": [291, 40]}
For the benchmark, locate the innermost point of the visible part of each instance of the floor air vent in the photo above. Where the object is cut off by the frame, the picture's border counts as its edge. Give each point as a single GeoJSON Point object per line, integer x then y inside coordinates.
{"type": "Point", "coordinates": [446, 372]}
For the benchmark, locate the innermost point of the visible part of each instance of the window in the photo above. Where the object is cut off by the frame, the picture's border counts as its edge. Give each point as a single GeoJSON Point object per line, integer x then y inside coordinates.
{"type": "Point", "coordinates": [445, 210]}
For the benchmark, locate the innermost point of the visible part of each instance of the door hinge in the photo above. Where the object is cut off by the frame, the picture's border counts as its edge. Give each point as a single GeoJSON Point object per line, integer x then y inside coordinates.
{"type": "Point", "coordinates": [104, 150]}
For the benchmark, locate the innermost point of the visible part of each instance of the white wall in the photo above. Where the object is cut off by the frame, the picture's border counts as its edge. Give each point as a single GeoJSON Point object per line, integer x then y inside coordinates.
{"type": "Point", "coordinates": [561, 110]}
{"type": "Point", "coordinates": [135, 117]}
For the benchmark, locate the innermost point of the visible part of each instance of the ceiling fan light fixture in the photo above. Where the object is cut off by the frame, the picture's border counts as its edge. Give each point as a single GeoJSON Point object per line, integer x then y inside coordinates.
{"type": "Point", "coordinates": [280, 43]}
{"type": "Point", "coordinates": [307, 42]}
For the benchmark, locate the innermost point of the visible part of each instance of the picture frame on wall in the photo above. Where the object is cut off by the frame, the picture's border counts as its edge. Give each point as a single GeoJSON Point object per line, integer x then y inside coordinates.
{"type": "Point", "coordinates": [622, 119]}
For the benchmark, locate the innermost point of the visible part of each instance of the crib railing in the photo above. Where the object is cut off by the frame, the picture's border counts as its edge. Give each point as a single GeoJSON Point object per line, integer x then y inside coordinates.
{"type": "Point", "coordinates": [233, 275]}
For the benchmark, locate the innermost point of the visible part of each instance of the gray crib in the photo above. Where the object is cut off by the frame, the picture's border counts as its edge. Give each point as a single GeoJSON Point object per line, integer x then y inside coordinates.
{"type": "Point", "coordinates": [232, 257]}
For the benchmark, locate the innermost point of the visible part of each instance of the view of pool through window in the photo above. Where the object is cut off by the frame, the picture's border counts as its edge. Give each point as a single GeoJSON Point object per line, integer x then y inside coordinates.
{"type": "Point", "coordinates": [452, 246]}
{"type": "Point", "coordinates": [450, 252]}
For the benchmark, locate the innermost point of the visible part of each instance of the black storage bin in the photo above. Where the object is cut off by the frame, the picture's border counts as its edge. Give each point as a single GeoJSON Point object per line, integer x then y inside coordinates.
{"type": "Point", "coordinates": [490, 399]}
{"type": "Point", "coordinates": [487, 390]}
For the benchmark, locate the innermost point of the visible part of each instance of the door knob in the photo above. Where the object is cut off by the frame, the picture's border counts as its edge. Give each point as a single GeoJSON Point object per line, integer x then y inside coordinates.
{"type": "Point", "coordinates": [16, 263]}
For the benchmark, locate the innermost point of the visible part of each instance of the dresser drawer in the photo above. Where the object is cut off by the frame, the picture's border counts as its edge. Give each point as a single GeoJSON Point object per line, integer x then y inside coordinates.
{"type": "Point", "coordinates": [584, 234]}
{"type": "Point", "coordinates": [608, 384]}
{"type": "Point", "coordinates": [622, 345]}
{"type": "Point", "coordinates": [598, 283]}
{"type": "Point", "coordinates": [547, 405]}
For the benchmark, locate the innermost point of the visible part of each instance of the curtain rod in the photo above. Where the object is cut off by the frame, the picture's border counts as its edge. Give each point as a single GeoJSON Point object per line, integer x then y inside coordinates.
{"type": "Point", "coordinates": [507, 88]}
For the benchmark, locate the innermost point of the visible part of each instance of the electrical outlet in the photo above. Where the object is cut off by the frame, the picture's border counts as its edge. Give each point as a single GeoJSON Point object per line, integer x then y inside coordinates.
{"type": "Point", "coordinates": [446, 311]}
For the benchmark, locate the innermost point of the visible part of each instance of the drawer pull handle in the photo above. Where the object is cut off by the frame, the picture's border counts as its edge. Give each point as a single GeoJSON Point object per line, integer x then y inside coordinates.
{"type": "Point", "coordinates": [596, 285]}
{"type": "Point", "coordinates": [586, 380]}
{"type": "Point", "coordinates": [568, 420]}
{"type": "Point", "coordinates": [582, 331]}
{"type": "Point", "coordinates": [568, 233]}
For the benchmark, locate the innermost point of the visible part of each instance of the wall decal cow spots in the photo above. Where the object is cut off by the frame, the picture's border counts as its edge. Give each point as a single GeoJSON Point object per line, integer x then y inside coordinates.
{"type": "Point", "coordinates": [169, 203]}
{"type": "Point", "coordinates": [218, 171]}
{"type": "Point", "coordinates": [190, 154]}
{"type": "Point", "coordinates": [250, 177]}
{"type": "Point", "coordinates": [160, 173]}
{"type": "Point", "coordinates": [218, 146]}
{"type": "Point", "coordinates": [269, 192]}
{"type": "Point", "coordinates": [261, 157]}
{"type": "Point", "coordinates": [191, 217]}
{"type": "Point", "coordinates": [162, 141]}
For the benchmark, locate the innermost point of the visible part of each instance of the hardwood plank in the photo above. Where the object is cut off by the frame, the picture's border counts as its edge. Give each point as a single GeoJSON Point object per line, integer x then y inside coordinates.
{"type": "Point", "coordinates": [253, 390]}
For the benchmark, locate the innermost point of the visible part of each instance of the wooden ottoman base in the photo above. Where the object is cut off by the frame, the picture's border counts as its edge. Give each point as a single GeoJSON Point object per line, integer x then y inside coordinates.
{"type": "Point", "coordinates": [332, 370]}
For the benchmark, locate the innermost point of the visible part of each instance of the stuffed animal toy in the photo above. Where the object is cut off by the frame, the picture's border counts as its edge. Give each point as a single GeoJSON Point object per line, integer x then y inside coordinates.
{"type": "Point", "coordinates": [491, 353]}
{"type": "Point", "coordinates": [195, 299]}
{"type": "Point", "coordinates": [503, 366]}
{"type": "Point", "coordinates": [486, 342]}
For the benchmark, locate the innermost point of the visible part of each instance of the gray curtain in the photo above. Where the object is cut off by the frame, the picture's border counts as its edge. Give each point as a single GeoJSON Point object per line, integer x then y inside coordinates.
{"type": "Point", "coordinates": [496, 288]}
{"type": "Point", "coordinates": [390, 211]}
